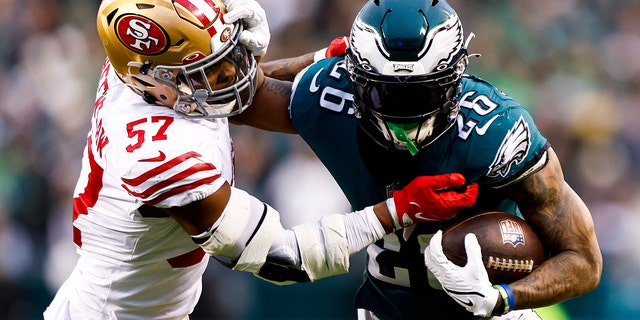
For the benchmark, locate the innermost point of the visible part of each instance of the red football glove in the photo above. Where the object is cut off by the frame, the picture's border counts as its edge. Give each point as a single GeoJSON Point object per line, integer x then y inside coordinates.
{"type": "Point", "coordinates": [337, 47]}
{"type": "Point", "coordinates": [431, 198]}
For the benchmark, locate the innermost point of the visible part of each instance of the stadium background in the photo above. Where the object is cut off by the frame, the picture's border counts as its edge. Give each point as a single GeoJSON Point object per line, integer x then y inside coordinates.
{"type": "Point", "coordinates": [575, 64]}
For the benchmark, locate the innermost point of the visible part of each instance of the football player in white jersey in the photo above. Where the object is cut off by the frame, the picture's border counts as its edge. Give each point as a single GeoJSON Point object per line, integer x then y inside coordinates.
{"type": "Point", "coordinates": [156, 194]}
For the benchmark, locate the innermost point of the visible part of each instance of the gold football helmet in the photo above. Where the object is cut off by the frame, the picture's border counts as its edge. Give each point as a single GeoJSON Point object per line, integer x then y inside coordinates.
{"type": "Point", "coordinates": [179, 54]}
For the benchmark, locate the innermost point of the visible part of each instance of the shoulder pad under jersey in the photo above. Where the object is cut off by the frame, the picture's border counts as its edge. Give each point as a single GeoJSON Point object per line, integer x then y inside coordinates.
{"type": "Point", "coordinates": [323, 87]}
{"type": "Point", "coordinates": [185, 166]}
{"type": "Point", "coordinates": [167, 178]}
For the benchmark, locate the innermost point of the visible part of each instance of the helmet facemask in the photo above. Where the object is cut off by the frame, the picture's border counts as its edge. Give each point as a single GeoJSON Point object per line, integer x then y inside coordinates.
{"type": "Point", "coordinates": [405, 61]}
{"type": "Point", "coordinates": [407, 112]}
{"type": "Point", "coordinates": [179, 54]}
{"type": "Point", "coordinates": [192, 83]}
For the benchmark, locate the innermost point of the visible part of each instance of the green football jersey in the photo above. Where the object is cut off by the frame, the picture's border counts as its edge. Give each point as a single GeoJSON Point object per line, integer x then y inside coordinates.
{"type": "Point", "coordinates": [494, 142]}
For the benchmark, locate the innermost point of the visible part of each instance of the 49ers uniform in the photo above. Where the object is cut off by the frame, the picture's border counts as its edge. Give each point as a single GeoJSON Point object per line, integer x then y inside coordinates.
{"type": "Point", "coordinates": [135, 261]}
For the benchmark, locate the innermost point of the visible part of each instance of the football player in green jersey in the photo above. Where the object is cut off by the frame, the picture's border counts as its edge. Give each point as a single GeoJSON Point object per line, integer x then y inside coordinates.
{"type": "Point", "coordinates": [398, 105]}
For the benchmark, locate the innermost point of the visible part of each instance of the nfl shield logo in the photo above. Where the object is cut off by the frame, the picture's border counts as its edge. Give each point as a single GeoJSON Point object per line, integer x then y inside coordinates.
{"type": "Point", "coordinates": [511, 232]}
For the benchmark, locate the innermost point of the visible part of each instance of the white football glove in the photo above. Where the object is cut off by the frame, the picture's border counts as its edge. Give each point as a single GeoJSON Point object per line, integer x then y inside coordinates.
{"type": "Point", "coordinates": [256, 36]}
{"type": "Point", "coordinates": [469, 286]}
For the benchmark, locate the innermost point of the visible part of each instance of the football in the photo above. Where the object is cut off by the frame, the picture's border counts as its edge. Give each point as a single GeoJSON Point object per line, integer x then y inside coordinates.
{"type": "Point", "coordinates": [510, 247]}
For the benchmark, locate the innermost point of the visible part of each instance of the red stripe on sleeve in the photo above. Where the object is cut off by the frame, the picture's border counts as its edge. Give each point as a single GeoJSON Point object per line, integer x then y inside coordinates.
{"type": "Point", "coordinates": [181, 189]}
{"type": "Point", "coordinates": [159, 169]}
{"type": "Point", "coordinates": [177, 178]}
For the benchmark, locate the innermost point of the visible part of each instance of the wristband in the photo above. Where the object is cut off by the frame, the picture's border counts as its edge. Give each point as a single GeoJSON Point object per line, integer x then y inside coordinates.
{"type": "Point", "coordinates": [391, 207]}
{"type": "Point", "coordinates": [320, 54]}
{"type": "Point", "coordinates": [505, 298]}
{"type": "Point", "coordinates": [512, 298]}
{"type": "Point", "coordinates": [508, 299]}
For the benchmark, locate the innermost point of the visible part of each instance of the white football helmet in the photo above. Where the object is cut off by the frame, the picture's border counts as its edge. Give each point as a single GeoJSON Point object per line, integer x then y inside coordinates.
{"type": "Point", "coordinates": [406, 58]}
{"type": "Point", "coordinates": [180, 54]}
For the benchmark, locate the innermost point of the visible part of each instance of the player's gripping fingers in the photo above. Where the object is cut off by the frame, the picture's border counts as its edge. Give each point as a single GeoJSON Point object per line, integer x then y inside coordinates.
{"type": "Point", "coordinates": [337, 47]}
{"type": "Point", "coordinates": [474, 253]}
{"type": "Point", "coordinates": [249, 10]}
{"type": "Point", "coordinates": [430, 198]}
{"type": "Point", "coordinates": [461, 198]}
{"type": "Point", "coordinates": [469, 286]}
{"type": "Point", "coordinates": [447, 181]}
{"type": "Point", "coordinates": [429, 185]}
{"type": "Point", "coordinates": [256, 43]}
{"type": "Point", "coordinates": [256, 36]}
{"type": "Point", "coordinates": [434, 257]}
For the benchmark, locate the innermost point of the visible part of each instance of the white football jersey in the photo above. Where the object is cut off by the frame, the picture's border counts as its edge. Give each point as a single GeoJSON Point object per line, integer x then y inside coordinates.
{"type": "Point", "coordinates": [140, 263]}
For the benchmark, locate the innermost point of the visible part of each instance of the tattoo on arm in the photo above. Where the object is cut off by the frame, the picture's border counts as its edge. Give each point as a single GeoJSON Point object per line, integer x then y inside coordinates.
{"type": "Point", "coordinates": [286, 69]}
{"type": "Point", "coordinates": [269, 109]}
{"type": "Point", "coordinates": [278, 88]}
{"type": "Point", "coordinates": [564, 224]}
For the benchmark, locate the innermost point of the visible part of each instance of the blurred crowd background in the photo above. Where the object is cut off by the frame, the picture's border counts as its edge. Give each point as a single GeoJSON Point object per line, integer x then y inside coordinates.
{"type": "Point", "coordinates": [575, 64]}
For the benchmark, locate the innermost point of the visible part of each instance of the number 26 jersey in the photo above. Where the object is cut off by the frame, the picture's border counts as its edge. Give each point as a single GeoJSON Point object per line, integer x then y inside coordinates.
{"type": "Point", "coordinates": [493, 142]}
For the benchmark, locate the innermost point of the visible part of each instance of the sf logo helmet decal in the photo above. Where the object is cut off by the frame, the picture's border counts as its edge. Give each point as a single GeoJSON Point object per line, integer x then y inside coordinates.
{"type": "Point", "coordinates": [141, 35]}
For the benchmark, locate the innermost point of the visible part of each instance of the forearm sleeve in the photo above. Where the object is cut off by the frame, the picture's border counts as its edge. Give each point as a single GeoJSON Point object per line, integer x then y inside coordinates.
{"type": "Point", "coordinates": [250, 235]}
{"type": "Point", "coordinates": [323, 248]}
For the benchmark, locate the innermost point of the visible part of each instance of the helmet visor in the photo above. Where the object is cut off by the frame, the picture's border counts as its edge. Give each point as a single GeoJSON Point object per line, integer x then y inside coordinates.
{"type": "Point", "coordinates": [397, 101]}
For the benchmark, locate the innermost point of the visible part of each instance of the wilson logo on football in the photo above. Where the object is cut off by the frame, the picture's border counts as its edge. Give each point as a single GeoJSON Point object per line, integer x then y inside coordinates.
{"type": "Point", "coordinates": [141, 35]}
{"type": "Point", "coordinates": [511, 232]}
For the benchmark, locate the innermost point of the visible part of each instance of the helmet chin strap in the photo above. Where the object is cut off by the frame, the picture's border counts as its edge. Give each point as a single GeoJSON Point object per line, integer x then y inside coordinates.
{"type": "Point", "coordinates": [401, 135]}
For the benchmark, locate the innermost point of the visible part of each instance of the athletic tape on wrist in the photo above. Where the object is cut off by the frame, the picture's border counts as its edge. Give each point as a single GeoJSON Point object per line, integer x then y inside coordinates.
{"type": "Point", "coordinates": [510, 300]}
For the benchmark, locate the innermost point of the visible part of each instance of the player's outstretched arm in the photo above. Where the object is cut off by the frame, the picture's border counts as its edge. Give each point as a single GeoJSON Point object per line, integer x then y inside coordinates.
{"type": "Point", "coordinates": [425, 199]}
{"type": "Point", "coordinates": [247, 234]}
{"type": "Point", "coordinates": [270, 107]}
{"type": "Point", "coordinates": [286, 69]}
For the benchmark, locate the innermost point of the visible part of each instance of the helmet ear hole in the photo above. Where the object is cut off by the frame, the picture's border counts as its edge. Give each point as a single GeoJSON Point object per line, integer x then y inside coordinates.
{"type": "Point", "coordinates": [148, 98]}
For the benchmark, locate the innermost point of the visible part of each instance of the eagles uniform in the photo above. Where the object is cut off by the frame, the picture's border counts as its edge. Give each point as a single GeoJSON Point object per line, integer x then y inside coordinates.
{"type": "Point", "coordinates": [494, 142]}
{"type": "Point", "coordinates": [125, 244]}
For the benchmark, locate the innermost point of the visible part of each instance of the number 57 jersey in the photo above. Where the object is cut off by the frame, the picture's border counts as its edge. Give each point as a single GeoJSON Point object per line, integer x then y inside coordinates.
{"type": "Point", "coordinates": [135, 261]}
{"type": "Point", "coordinates": [493, 142]}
